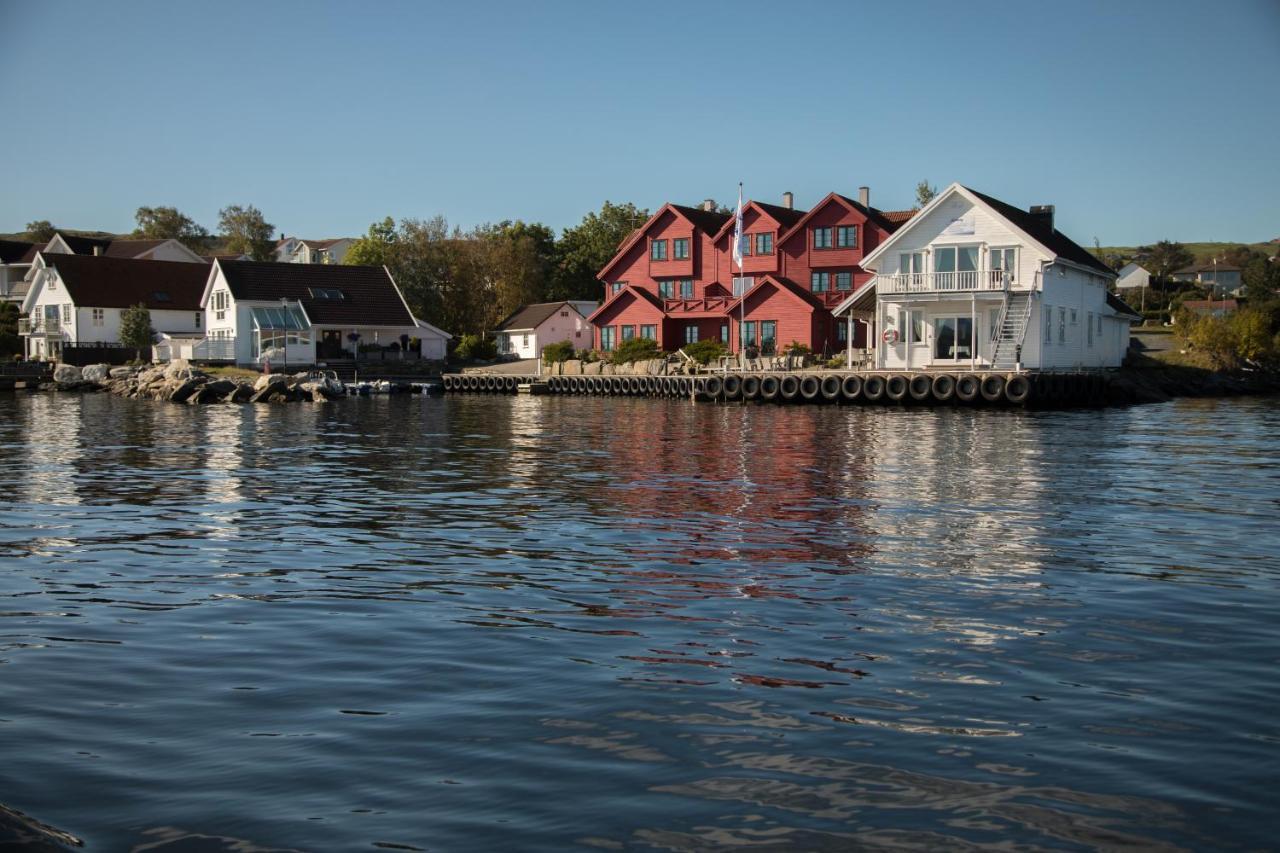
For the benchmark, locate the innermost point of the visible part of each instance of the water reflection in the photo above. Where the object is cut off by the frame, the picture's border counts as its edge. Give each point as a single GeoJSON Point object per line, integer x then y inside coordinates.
{"type": "Point", "coordinates": [454, 623]}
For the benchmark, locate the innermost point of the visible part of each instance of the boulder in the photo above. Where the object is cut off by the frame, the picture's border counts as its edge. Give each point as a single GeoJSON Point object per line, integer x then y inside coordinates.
{"type": "Point", "coordinates": [276, 387]}
{"type": "Point", "coordinates": [179, 368]}
{"type": "Point", "coordinates": [241, 394]}
{"type": "Point", "coordinates": [121, 372]}
{"type": "Point", "coordinates": [263, 381]}
{"type": "Point", "coordinates": [572, 367]}
{"type": "Point", "coordinates": [95, 373]}
{"type": "Point", "coordinates": [592, 369]}
{"type": "Point", "coordinates": [65, 374]}
{"type": "Point", "coordinates": [213, 392]}
{"type": "Point", "coordinates": [183, 391]}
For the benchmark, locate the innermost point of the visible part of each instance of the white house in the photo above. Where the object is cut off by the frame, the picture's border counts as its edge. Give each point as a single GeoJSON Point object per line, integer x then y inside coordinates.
{"type": "Point", "coordinates": [293, 250]}
{"type": "Point", "coordinates": [306, 314]}
{"type": "Point", "coordinates": [528, 330]}
{"type": "Point", "coordinates": [78, 300]}
{"type": "Point", "coordinates": [1218, 277]}
{"type": "Point", "coordinates": [1133, 277]}
{"type": "Point", "coordinates": [125, 248]}
{"type": "Point", "coordinates": [973, 282]}
{"type": "Point", "coordinates": [16, 257]}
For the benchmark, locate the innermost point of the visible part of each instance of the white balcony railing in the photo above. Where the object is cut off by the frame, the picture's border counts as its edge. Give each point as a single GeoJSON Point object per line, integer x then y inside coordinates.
{"type": "Point", "coordinates": [945, 282]}
{"type": "Point", "coordinates": [215, 349]}
{"type": "Point", "coordinates": [40, 326]}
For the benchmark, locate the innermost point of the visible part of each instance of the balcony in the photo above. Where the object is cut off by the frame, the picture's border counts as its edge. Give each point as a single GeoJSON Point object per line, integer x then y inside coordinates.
{"type": "Point", "coordinates": [945, 282]}
{"type": "Point", "coordinates": [40, 326]}
{"type": "Point", "coordinates": [706, 306]}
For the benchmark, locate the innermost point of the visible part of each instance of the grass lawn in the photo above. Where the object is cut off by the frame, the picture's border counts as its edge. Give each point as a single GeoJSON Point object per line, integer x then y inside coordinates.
{"type": "Point", "coordinates": [232, 372]}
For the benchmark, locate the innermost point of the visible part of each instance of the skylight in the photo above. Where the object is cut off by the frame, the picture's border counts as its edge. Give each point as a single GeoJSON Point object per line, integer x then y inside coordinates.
{"type": "Point", "coordinates": [327, 293]}
{"type": "Point", "coordinates": [159, 296]}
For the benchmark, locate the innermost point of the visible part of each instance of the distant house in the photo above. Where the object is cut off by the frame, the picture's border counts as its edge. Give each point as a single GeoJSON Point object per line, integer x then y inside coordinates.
{"type": "Point", "coordinates": [531, 328]}
{"type": "Point", "coordinates": [1211, 307]}
{"type": "Point", "coordinates": [1220, 277]}
{"type": "Point", "coordinates": [16, 257]}
{"type": "Point", "coordinates": [78, 300]}
{"type": "Point", "coordinates": [1133, 277]}
{"type": "Point", "coordinates": [306, 314]}
{"type": "Point", "coordinates": [127, 248]}
{"type": "Point", "coordinates": [293, 250]}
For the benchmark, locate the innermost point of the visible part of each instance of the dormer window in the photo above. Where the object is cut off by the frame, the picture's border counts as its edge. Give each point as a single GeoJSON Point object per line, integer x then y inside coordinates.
{"type": "Point", "coordinates": [680, 248]}
{"type": "Point", "coordinates": [847, 237]}
{"type": "Point", "coordinates": [658, 250]}
{"type": "Point", "coordinates": [764, 244]}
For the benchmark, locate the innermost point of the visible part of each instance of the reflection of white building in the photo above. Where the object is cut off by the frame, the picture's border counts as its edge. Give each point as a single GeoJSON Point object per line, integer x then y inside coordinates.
{"type": "Point", "coordinates": [79, 300]}
{"type": "Point", "coordinates": [971, 281]}
{"type": "Point", "coordinates": [306, 314]}
{"type": "Point", "coordinates": [528, 330]}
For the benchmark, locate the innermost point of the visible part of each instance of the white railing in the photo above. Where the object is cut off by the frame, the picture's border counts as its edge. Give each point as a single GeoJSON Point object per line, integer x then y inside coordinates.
{"type": "Point", "coordinates": [39, 326]}
{"type": "Point", "coordinates": [933, 282]}
{"type": "Point", "coordinates": [215, 349]}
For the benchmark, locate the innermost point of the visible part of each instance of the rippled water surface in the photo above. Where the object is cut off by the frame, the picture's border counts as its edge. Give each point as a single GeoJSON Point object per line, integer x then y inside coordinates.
{"type": "Point", "coordinates": [538, 623]}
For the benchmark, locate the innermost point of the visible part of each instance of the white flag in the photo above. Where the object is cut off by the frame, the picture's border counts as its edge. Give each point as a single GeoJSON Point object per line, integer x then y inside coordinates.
{"type": "Point", "coordinates": [737, 232]}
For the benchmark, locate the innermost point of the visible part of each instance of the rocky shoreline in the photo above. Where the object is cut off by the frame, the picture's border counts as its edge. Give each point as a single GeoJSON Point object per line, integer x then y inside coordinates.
{"type": "Point", "coordinates": [179, 382]}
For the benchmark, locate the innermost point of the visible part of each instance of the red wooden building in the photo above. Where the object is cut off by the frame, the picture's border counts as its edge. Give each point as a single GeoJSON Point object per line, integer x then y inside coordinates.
{"type": "Point", "coordinates": [674, 279]}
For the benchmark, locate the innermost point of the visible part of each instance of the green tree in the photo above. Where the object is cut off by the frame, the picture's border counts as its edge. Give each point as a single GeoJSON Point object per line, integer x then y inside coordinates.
{"type": "Point", "coordinates": [40, 231]}
{"type": "Point", "coordinates": [135, 327]}
{"type": "Point", "coordinates": [373, 249]}
{"type": "Point", "coordinates": [10, 343]}
{"type": "Point", "coordinates": [1164, 257]}
{"type": "Point", "coordinates": [585, 248]}
{"type": "Point", "coordinates": [925, 193]}
{"type": "Point", "coordinates": [246, 232]}
{"type": "Point", "coordinates": [516, 261]}
{"type": "Point", "coordinates": [168, 223]}
{"type": "Point", "coordinates": [1261, 279]}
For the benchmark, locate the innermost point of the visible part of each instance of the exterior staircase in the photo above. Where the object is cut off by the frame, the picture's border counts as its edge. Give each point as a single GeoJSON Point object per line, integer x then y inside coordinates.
{"type": "Point", "coordinates": [1012, 325]}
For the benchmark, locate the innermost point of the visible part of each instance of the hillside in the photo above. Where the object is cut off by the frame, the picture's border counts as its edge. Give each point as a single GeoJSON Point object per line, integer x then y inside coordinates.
{"type": "Point", "coordinates": [1204, 252]}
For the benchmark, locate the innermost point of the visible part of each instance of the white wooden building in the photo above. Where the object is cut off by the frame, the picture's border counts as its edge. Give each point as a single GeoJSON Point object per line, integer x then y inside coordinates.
{"type": "Point", "coordinates": [1133, 277]}
{"type": "Point", "coordinates": [973, 282]}
{"type": "Point", "coordinates": [16, 257]}
{"type": "Point", "coordinates": [527, 331]}
{"type": "Point", "coordinates": [305, 314]}
{"type": "Point", "coordinates": [294, 250]}
{"type": "Point", "coordinates": [78, 300]}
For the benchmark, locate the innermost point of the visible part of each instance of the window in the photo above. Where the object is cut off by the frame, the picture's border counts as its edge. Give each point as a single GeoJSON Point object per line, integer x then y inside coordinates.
{"type": "Point", "coordinates": [764, 244]}
{"type": "Point", "coordinates": [916, 331]}
{"type": "Point", "coordinates": [331, 294]}
{"type": "Point", "coordinates": [1090, 325]}
{"type": "Point", "coordinates": [680, 248]}
{"type": "Point", "coordinates": [628, 333]}
{"type": "Point", "coordinates": [820, 282]}
{"type": "Point", "coordinates": [564, 313]}
{"type": "Point", "coordinates": [724, 333]}
{"type": "Point", "coordinates": [524, 342]}
{"type": "Point", "coordinates": [911, 263]}
{"type": "Point", "coordinates": [618, 285]}
{"type": "Point", "coordinates": [658, 250]}
{"type": "Point", "coordinates": [743, 283]}
{"type": "Point", "coordinates": [100, 317]}
{"type": "Point", "coordinates": [844, 281]}
{"type": "Point", "coordinates": [993, 317]}
{"type": "Point", "coordinates": [66, 313]}
{"type": "Point", "coordinates": [1006, 260]}
{"type": "Point", "coordinates": [220, 304]}
{"type": "Point", "coordinates": [1099, 324]}
{"type": "Point", "coordinates": [53, 281]}
{"type": "Point", "coordinates": [649, 333]}
{"type": "Point", "coordinates": [1048, 324]}
{"type": "Point", "coordinates": [952, 338]}
{"type": "Point", "coordinates": [842, 331]}
{"type": "Point", "coordinates": [608, 337]}
{"type": "Point", "coordinates": [822, 238]}
{"type": "Point", "coordinates": [686, 288]}
{"type": "Point", "coordinates": [691, 333]}
{"type": "Point", "coordinates": [763, 335]}
{"type": "Point", "coordinates": [1062, 325]}
{"type": "Point", "coordinates": [1073, 317]}
{"type": "Point", "coordinates": [199, 319]}
{"type": "Point", "coordinates": [847, 237]}
{"type": "Point", "coordinates": [666, 289]}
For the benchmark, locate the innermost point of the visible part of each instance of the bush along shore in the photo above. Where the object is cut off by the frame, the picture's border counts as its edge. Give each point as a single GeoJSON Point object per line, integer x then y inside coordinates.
{"type": "Point", "coordinates": [178, 382]}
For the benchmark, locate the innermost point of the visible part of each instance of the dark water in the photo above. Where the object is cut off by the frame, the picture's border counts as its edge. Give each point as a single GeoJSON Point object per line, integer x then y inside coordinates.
{"type": "Point", "coordinates": [546, 624]}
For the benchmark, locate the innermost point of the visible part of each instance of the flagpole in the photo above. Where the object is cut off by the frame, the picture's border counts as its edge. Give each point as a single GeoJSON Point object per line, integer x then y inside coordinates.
{"type": "Point", "coordinates": [742, 304]}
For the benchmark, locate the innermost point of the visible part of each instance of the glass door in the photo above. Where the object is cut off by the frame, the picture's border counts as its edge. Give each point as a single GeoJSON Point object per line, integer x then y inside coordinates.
{"type": "Point", "coordinates": [952, 338]}
{"type": "Point", "coordinates": [944, 267]}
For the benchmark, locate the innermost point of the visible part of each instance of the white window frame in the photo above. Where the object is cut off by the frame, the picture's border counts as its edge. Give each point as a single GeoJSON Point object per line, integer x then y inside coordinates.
{"type": "Point", "coordinates": [99, 317]}
{"type": "Point", "coordinates": [1048, 324]}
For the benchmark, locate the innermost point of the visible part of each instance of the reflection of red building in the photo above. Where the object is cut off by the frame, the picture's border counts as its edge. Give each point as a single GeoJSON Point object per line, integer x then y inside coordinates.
{"type": "Point", "coordinates": [673, 280]}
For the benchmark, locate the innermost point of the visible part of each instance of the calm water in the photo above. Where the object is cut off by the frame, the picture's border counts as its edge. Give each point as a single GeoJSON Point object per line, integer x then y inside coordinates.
{"type": "Point", "coordinates": [546, 624]}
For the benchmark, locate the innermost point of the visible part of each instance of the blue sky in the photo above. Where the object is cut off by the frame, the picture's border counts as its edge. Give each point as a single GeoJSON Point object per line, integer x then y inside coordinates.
{"type": "Point", "coordinates": [1140, 121]}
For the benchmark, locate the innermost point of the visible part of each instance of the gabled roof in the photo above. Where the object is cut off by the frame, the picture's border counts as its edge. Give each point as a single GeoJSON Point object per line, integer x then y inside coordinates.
{"type": "Point", "coordinates": [780, 281]}
{"type": "Point", "coordinates": [14, 251]}
{"type": "Point", "coordinates": [1121, 307]}
{"type": "Point", "coordinates": [533, 316]}
{"type": "Point", "coordinates": [1208, 305]}
{"type": "Point", "coordinates": [784, 216]}
{"type": "Point", "coordinates": [706, 220]}
{"type": "Point", "coordinates": [870, 213]}
{"type": "Point", "coordinates": [1051, 238]}
{"type": "Point", "coordinates": [82, 245]}
{"type": "Point", "coordinates": [112, 247]}
{"type": "Point", "coordinates": [638, 292]}
{"type": "Point", "coordinates": [131, 248]}
{"type": "Point", "coordinates": [323, 244]}
{"type": "Point", "coordinates": [897, 218]}
{"type": "Point", "coordinates": [1195, 268]}
{"type": "Point", "coordinates": [101, 282]}
{"type": "Point", "coordinates": [369, 297]}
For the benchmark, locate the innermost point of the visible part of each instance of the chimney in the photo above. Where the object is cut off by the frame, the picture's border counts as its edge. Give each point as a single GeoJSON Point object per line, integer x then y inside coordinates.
{"type": "Point", "coordinates": [788, 200]}
{"type": "Point", "coordinates": [1043, 214]}
{"type": "Point", "coordinates": [709, 204]}
{"type": "Point", "coordinates": [864, 196]}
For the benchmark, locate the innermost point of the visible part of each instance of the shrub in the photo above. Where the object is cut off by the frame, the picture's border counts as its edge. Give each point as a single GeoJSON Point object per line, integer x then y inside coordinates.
{"type": "Point", "coordinates": [557, 352]}
{"type": "Point", "coordinates": [475, 347]}
{"type": "Point", "coordinates": [705, 351]}
{"type": "Point", "coordinates": [370, 347]}
{"type": "Point", "coordinates": [586, 356]}
{"type": "Point", "coordinates": [636, 349]}
{"type": "Point", "coordinates": [835, 362]}
{"type": "Point", "coordinates": [797, 348]}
